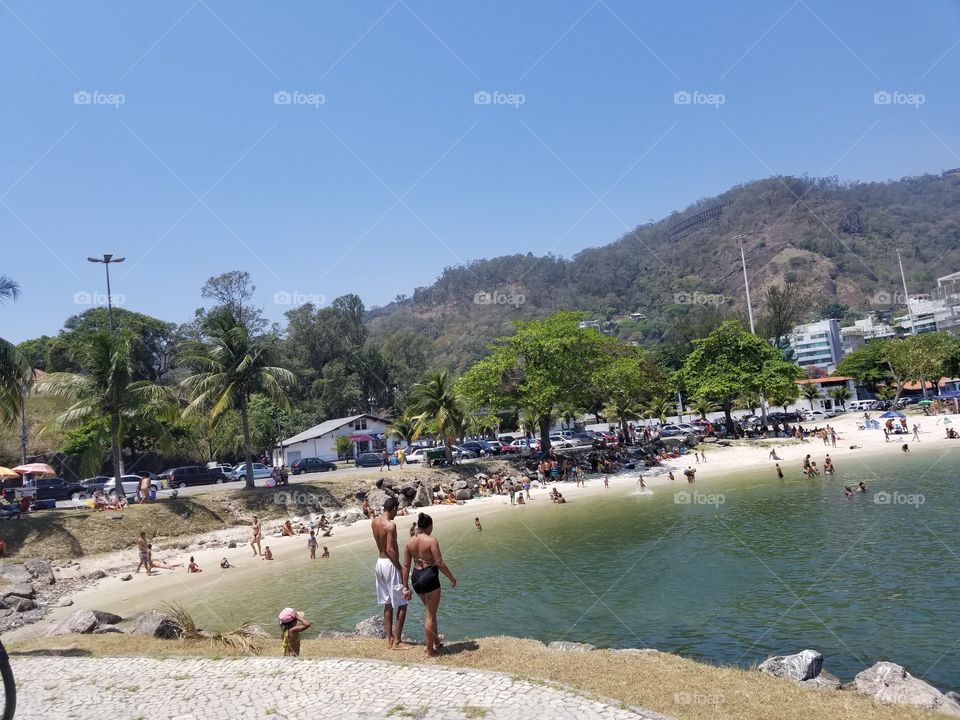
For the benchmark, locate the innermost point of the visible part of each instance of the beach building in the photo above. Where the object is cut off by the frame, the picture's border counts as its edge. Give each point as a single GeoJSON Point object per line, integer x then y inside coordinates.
{"type": "Point", "coordinates": [817, 344]}
{"type": "Point", "coordinates": [366, 432]}
{"type": "Point", "coordinates": [825, 385]}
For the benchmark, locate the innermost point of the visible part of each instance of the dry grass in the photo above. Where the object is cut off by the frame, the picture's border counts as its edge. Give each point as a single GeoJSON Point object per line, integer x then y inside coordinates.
{"type": "Point", "coordinates": [665, 683]}
{"type": "Point", "coordinates": [240, 640]}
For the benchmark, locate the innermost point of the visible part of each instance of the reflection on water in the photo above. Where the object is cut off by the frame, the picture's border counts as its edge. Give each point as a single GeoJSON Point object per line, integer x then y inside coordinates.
{"type": "Point", "coordinates": [764, 567]}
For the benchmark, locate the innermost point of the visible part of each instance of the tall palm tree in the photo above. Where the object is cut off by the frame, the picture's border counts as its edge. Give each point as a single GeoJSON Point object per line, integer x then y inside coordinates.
{"type": "Point", "coordinates": [15, 372]}
{"type": "Point", "coordinates": [659, 408]}
{"type": "Point", "coordinates": [841, 395]}
{"type": "Point", "coordinates": [227, 370]}
{"type": "Point", "coordinates": [436, 405]}
{"type": "Point", "coordinates": [622, 412]}
{"type": "Point", "coordinates": [885, 392]}
{"type": "Point", "coordinates": [811, 393]}
{"type": "Point", "coordinates": [106, 391]}
{"type": "Point", "coordinates": [404, 429]}
{"type": "Point", "coordinates": [702, 406]}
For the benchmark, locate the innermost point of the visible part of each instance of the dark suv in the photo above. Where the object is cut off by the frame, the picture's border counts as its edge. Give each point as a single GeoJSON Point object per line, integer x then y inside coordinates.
{"type": "Point", "coordinates": [53, 489]}
{"type": "Point", "coordinates": [307, 465]}
{"type": "Point", "coordinates": [194, 475]}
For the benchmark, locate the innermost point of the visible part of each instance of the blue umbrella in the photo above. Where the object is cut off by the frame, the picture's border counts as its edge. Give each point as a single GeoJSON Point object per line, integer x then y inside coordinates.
{"type": "Point", "coordinates": [892, 414]}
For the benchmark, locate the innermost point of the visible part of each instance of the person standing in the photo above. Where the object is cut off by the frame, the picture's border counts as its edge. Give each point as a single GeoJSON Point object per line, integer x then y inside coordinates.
{"type": "Point", "coordinates": [255, 535]}
{"type": "Point", "coordinates": [384, 460]}
{"type": "Point", "coordinates": [312, 545]}
{"type": "Point", "coordinates": [143, 551]}
{"type": "Point", "coordinates": [779, 472]}
{"type": "Point", "coordinates": [144, 488]}
{"type": "Point", "coordinates": [292, 623]}
{"type": "Point", "coordinates": [916, 432]}
{"type": "Point", "coordinates": [392, 592]}
{"type": "Point", "coordinates": [422, 554]}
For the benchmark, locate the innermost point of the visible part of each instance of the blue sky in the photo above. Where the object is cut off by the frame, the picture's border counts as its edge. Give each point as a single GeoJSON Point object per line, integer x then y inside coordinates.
{"type": "Point", "coordinates": [334, 147]}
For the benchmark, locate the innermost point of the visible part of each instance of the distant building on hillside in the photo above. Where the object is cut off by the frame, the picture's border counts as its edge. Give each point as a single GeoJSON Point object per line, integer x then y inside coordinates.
{"type": "Point", "coordinates": [935, 311]}
{"type": "Point", "coordinates": [817, 344]}
{"type": "Point", "coordinates": [864, 331]}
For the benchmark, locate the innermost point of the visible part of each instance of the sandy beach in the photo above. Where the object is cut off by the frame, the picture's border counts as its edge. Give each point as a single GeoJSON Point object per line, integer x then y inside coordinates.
{"type": "Point", "coordinates": [128, 598]}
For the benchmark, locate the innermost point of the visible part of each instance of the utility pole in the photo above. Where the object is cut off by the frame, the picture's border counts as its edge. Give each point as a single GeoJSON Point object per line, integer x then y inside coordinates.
{"type": "Point", "coordinates": [23, 425]}
{"type": "Point", "coordinates": [753, 331]}
{"type": "Point", "coordinates": [106, 260]}
{"type": "Point", "coordinates": [913, 322]}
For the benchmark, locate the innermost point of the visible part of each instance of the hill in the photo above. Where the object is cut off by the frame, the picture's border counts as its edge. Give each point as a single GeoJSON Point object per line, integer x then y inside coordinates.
{"type": "Point", "coordinates": [838, 238]}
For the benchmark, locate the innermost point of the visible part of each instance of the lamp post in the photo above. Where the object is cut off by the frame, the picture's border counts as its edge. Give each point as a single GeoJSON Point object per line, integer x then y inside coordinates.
{"type": "Point", "coordinates": [913, 321]}
{"type": "Point", "coordinates": [106, 260]}
{"type": "Point", "coordinates": [746, 287]}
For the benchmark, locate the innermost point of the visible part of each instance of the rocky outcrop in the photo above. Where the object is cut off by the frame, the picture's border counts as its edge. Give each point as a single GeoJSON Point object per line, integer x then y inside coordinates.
{"type": "Point", "coordinates": [564, 646]}
{"type": "Point", "coordinates": [802, 666]}
{"type": "Point", "coordinates": [19, 604]}
{"type": "Point", "coordinates": [82, 622]}
{"type": "Point", "coordinates": [408, 490]}
{"type": "Point", "coordinates": [460, 485]}
{"type": "Point", "coordinates": [106, 618]}
{"type": "Point", "coordinates": [888, 682]}
{"type": "Point", "coordinates": [372, 627]}
{"type": "Point", "coordinates": [351, 517]}
{"type": "Point", "coordinates": [156, 624]}
{"type": "Point", "coordinates": [376, 497]}
{"type": "Point", "coordinates": [823, 681]}
{"type": "Point", "coordinates": [24, 590]}
{"type": "Point", "coordinates": [40, 570]}
{"type": "Point", "coordinates": [422, 497]}
{"type": "Point", "coordinates": [464, 494]}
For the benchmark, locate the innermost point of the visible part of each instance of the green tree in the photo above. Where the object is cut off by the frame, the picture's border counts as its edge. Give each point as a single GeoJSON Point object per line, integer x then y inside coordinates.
{"type": "Point", "coordinates": [659, 408]}
{"type": "Point", "coordinates": [783, 397]}
{"type": "Point", "coordinates": [437, 406]}
{"type": "Point", "coordinates": [105, 394]}
{"type": "Point", "coordinates": [783, 308]}
{"type": "Point", "coordinates": [15, 372]}
{"type": "Point", "coordinates": [868, 365]}
{"type": "Point", "coordinates": [702, 406]}
{"type": "Point", "coordinates": [404, 429]}
{"type": "Point", "coordinates": [731, 362]}
{"type": "Point", "coordinates": [228, 369]}
{"type": "Point", "coordinates": [810, 392]}
{"type": "Point", "coordinates": [545, 365]}
{"type": "Point", "coordinates": [625, 382]}
{"type": "Point", "coordinates": [840, 395]}
{"type": "Point", "coordinates": [344, 446]}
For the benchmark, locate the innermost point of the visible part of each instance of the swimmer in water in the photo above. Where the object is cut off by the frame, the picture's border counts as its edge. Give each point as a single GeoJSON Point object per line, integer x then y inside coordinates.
{"type": "Point", "coordinates": [861, 488]}
{"type": "Point", "coordinates": [779, 472]}
{"type": "Point", "coordinates": [848, 491]}
{"type": "Point", "coordinates": [476, 521]}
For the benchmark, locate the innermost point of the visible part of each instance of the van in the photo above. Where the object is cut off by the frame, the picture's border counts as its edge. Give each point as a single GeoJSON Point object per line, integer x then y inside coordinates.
{"type": "Point", "coordinates": [860, 405]}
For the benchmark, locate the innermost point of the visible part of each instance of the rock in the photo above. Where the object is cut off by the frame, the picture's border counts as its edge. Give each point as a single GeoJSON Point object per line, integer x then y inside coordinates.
{"type": "Point", "coordinates": [107, 629]}
{"type": "Point", "coordinates": [888, 682]}
{"type": "Point", "coordinates": [82, 622]}
{"type": "Point", "coordinates": [96, 575]}
{"type": "Point", "coordinates": [564, 646]}
{"type": "Point", "coordinates": [377, 497]}
{"type": "Point", "coordinates": [824, 681]}
{"type": "Point", "coordinates": [408, 490]}
{"type": "Point", "coordinates": [24, 590]}
{"type": "Point", "coordinates": [257, 631]}
{"type": "Point", "coordinates": [16, 573]}
{"type": "Point", "coordinates": [156, 624]}
{"type": "Point", "coordinates": [232, 544]}
{"type": "Point", "coordinates": [404, 501]}
{"type": "Point", "coordinates": [40, 570]}
{"type": "Point", "coordinates": [351, 517]}
{"type": "Point", "coordinates": [372, 627]}
{"type": "Point", "coordinates": [386, 483]}
{"type": "Point", "coordinates": [464, 494]}
{"type": "Point", "coordinates": [422, 497]}
{"type": "Point", "coordinates": [65, 602]}
{"type": "Point", "coordinates": [804, 665]}
{"type": "Point", "coordinates": [20, 604]}
{"type": "Point", "coordinates": [126, 577]}
{"type": "Point", "coordinates": [106, 618]}
{"type": "Point", "coordinates": [460, 485]}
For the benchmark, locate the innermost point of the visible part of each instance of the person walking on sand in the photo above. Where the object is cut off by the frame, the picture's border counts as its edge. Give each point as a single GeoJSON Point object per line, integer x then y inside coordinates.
{"type": "Point", "coordinates": [312, 545]}
{"type": "Point", "coordinates": [916, 433]}
{"type": "Point", "coordinates": [384, 461]}
{"type": "Point", "coordinates": [255, 534]}
{"type": "Point", "coordinates": [143, 550]}
{"type": "Point", "coordinates": [392, 592]}
{"type": "Point", "coordinates": [292, 623]}
{"type": "Point", "coordinates": [422, 554]}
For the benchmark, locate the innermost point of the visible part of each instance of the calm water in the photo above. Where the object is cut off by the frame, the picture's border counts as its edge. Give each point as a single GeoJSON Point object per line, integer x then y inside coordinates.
{"type": "Point", "coordinates": [776, 567]}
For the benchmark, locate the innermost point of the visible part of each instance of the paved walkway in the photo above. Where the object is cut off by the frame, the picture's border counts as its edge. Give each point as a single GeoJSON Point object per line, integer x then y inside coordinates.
{"type": "Point", "coordinates": [281, 688]}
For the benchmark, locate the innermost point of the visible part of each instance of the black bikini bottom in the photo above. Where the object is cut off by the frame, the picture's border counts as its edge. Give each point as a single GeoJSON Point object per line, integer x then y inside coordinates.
{"type": "Point", "coordinates": [425, 580]}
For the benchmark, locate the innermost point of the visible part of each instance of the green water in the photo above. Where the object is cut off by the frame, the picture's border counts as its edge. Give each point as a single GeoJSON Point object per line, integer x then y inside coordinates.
{"type": "Point", "coordinates": [776, 567]}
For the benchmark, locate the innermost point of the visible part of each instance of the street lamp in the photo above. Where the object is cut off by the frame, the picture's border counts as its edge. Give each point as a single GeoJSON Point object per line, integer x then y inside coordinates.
{"type": "Point", "coordinates": [106, 260]}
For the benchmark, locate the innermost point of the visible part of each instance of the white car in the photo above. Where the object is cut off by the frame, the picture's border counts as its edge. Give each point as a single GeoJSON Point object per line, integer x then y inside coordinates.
{"type": "Point", "coordinates": [559, 441]}
{"type": "Point", "coordinates": [131, 485]}
{"type": "Point", "coordinates": [260, 471]}
{"type": "Point", "coordinates": [417, 456]}
{"type": "Point", "coordinates": [523, 444]}
{"type": "Point", "coordinates": [814, 415]}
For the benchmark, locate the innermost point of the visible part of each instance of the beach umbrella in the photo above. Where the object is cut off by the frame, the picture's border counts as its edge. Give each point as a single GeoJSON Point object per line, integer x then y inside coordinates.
{"type": "Point", "coordinates": [892, 414]}
{"type": "Point", "coordinates": [34, 469]}
{"type": "Point", "coordinates": [6, 472]}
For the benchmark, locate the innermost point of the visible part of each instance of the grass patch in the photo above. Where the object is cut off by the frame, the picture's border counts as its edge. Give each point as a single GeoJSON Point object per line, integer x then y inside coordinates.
{"type": "Point", "coordinates": [665, 683]}
{"type": "Point", "coordinates": [472, 712]}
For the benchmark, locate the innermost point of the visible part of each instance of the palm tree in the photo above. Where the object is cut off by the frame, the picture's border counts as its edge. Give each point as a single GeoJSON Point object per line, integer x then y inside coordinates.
{"type": "Point", "coordinates": [783, 399]}
{"type": "Point", "coordinates": [435, 405]}
{"type": "Point", "coordinates": [841, 395]}
{"type": "Point", "coordinates": [228, 369]}
{"type": "Point", "coordinates": [106, 391]}
{"type": "Point", "coordinates": [702, 406]}
{"type": "Point", "coordinates": [15, 372]}
{"type": "Point", "coordinates": [659, 408]}
{"type": "Point", "coordinates": [622, 412]}
{"type": "Point", "coordinates": [529, 423]}
{"type": "Point", "coordinates": [482, 424]}
{"type": "Point", "coordinates": [403, 429]}
{"type": "Point", "coordinates": [885, 392]}
{"type": "Point", "coordinates": [811, 392]}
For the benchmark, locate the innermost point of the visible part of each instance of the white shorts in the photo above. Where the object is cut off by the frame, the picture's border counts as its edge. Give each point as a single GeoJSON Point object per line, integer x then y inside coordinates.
{"type": "Point", "coordinates": [389, 586]}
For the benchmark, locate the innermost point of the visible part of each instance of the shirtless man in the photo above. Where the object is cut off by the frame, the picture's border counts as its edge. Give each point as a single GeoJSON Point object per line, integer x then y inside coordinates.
{"type": "Point", "coordinates": [390, 591]}
{"type": "Point", "coordinates": [144, 489]}
{"type": "Point", "coordinates": [255, 536]}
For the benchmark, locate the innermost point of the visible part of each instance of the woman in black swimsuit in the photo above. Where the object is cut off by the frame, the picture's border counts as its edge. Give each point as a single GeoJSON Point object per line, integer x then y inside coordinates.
{"type": "Point", "coordinates": [422, 553]}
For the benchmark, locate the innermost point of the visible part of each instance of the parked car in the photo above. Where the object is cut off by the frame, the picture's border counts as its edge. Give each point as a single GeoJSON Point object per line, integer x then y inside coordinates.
{"type": "Point", "coordinates": [463, 453]}
{"type": "Point", "coordinates": [306, 465]}
{"type": "Point", "coordinates": [180, 477]}
{"type": "Point", "coordinates": [52, 488]}
{"type": "Point", "coordinates": [225, 468]}
{"type": "Point", "coordinates": [131, 485]}
{"type": "Point", "coordinates": [678, 430]}
{"type": "Point", "coordinates": [818, 415]}
{"type": "Point", "coordinates": [95, 483]}
{"type": "Point", "coordinates": [559, 441]}
{"type": "Point", "coordinates": [582, 438]}
{"type": "Point", "coordinates": [260, 471]}
{"type": "Point", "coordinates": [368, 460]}
{"type": "Point", "coordinates": [522, 444]}
{"type": "Point", "coordinates": [481, 447]}
{"type": "Point", "coordinates": [506, 448]}
{"type": "Point", "coordinates": [417, 456]}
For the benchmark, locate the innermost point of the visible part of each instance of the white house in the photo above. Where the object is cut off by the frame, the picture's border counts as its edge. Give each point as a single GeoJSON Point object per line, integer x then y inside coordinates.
{"type": "Point", "coordinates": [367, 432]}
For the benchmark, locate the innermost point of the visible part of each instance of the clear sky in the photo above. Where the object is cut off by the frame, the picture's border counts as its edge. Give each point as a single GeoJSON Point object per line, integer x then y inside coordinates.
{"type": "Point", "coordinates": [363, 145]}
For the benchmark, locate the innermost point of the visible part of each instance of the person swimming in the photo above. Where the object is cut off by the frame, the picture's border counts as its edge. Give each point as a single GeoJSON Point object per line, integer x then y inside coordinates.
{"type": "Point", "coordinates": [476, 521]}
{"type": "Point", "coordinates": [848, 491]}
{"type": "Point", "coordinates": [861, 488]}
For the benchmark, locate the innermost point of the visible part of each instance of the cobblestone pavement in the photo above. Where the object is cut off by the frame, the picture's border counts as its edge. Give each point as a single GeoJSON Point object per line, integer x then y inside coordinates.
{"type": "Point", "coordinates": [280, 688]}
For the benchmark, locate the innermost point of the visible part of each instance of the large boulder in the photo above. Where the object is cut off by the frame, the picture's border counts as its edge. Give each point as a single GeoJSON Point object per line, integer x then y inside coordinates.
{"type": "Point", "coordinates": [376, 497]}
{"type": "Point", "coordinates": [96, 575]}
{"type": "Point", "coordinates": [460, 485]}
{"type": "Point", "coordinates": [408, 490]}
{"type": "Point", "coordinates": [824, 681]}
{"type": "Point", "coordinates": [40, 570]}
{"type": "Point", "coordinates": [422, 498]}
{"type": "Point", "coordinates": [386, 483]}
{"type": "Point", "coordinates": [804, 665]}
{"type": "Point", "coordinates": [372, 627]}
{"type": "Point", "coordinates": [351, 517]}
{"type": "Point", "coordinates": [465, 494]}
{"type": "Point", "coordinates": [106, 618]}
{"type": "Point", "coordinates": [24, 590]}
{"type": "Point", "coordinates": [888, 682]}
{"type": "Point", "coordinates": [16, 573]}
{"type": "Point", "coordinates": [565, 646]}
{"type": "Point", "coordinates": [82, 622]}
{"type": "Point", "coordinates": [156, 624]}
{"type": "Point", "coordinates": [20, 604]}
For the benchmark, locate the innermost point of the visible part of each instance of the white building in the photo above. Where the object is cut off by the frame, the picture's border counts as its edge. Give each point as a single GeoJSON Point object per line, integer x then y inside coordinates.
{"type": "Point", "coordinates": [938, 310]}
{"type": "Point", "coordinates": [817, 344]}
{"type": "Point", "coordinates": [367, 432]}
{"type": "Point", "coordinates": [862, 332]}
{"type": "Point", "coordinates": [824, 386]}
